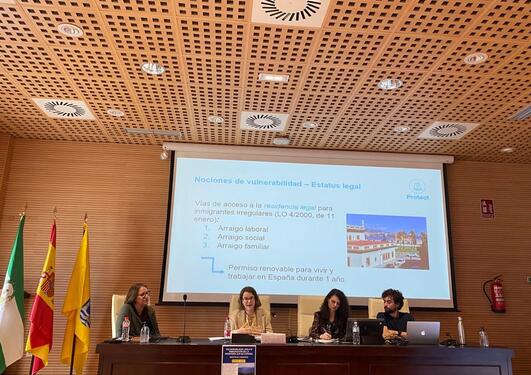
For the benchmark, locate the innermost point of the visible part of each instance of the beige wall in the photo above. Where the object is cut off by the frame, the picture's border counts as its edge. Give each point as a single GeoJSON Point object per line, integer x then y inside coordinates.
{"type": "Point", "coordinates": [123, 189]}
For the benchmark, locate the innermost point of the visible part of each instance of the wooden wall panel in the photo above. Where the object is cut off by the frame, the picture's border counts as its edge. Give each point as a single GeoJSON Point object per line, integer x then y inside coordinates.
{"type": "Point", "coordinates": [123, 188]}
{"type": "Point", "coordinates": [5, 162]}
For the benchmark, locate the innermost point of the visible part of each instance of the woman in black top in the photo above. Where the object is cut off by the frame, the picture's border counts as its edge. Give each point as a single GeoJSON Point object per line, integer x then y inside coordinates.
{"type": "Point", "coordinates": [330, 322]}
{"type": "Point", "coordinates": [136, 307]}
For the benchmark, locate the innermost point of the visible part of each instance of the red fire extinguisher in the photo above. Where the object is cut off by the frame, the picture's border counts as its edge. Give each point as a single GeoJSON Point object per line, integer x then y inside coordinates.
{"type": "Point", "coordinates": [496, 299]}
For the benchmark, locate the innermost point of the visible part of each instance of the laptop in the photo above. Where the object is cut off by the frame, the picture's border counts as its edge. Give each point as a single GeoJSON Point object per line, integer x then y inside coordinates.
{"type": "Point", "coordinates": [423, 333]}
{"type": "Point", "coordinates": [371, 331]}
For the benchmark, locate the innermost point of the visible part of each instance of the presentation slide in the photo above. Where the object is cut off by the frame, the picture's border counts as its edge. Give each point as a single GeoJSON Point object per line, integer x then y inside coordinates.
{"type": "Point", "coordinates": [291, 229]}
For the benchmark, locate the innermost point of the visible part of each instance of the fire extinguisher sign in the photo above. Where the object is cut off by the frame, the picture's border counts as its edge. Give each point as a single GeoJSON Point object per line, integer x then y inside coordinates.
{"type": "Point", "coordinates": [487, 208]}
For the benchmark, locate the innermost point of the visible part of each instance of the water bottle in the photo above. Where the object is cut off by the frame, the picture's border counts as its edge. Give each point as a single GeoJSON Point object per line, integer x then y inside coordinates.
{"type": "Point", "coordinates": [125, 329]}
{"type": "Point", "coordinates": [356, 334]}
{"type": "Point", "coordinates": [144, 334]}
{"type": "Point", "coordinates": [226, 329]}
{"type": "Point", "coordinates": [460, 332]}
{"type": "Point", "coordinates": [483, 338]}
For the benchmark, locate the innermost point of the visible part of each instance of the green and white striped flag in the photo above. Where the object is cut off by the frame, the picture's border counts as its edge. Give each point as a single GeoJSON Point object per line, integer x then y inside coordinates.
{"type": "Point", "coordinates": [12, 305]}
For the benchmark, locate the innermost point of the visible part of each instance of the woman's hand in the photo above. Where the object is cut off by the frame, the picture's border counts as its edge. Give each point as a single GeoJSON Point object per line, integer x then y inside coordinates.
{"type": "Point", "coordinates": [326, 336]}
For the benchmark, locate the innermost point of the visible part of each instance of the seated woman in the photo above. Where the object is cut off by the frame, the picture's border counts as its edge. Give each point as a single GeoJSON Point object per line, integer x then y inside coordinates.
{"type": "Point", "coordinates": [330, 322]}
{"type": "Point", "coordinates": [136, 307]}
{"type": "Point", "coordinates": [251, 317]}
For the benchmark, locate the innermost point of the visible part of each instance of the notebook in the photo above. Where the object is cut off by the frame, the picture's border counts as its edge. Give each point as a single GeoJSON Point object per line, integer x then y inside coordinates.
{"type": "Point", "coordinates": [423, 333]}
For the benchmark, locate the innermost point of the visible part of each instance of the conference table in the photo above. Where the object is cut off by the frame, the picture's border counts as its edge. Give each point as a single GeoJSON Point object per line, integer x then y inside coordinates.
{"type": "Point", "coordinates": [204, 357]}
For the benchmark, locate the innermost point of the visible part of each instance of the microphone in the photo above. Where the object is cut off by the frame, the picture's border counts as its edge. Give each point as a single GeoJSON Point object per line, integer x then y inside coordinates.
{"type": "Point", "coordinates": [184, 339]}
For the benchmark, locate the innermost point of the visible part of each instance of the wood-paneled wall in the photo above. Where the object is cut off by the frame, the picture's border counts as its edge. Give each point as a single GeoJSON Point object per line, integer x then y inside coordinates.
{"type": "Point", "coordinates": [123, 189]}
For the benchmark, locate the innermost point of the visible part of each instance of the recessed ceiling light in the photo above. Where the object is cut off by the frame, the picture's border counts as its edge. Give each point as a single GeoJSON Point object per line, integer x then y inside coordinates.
{"type": "Point", "coordinates": [115, 112]}
{"type": "Point", "coordinates": [475, 58]}
{"type": "Point", "coordinates": [507, 150]}
{"type": "Point", "coordinates": [214, 119]}
{"type": "Point", "coordinates": [153, 68]}
{"type": "Point", "coordinates": [281, 141]}
{"type": "Point", "coordinates": [401, 129]}
{"type": "Point", "coordinates": [273, 77]}
{"type": "Point", "coordinates": [309, 125]}
{"type": "Point", "coordinates": [390, 84]}
{"type": "Point", "coordinates": [69, 29]}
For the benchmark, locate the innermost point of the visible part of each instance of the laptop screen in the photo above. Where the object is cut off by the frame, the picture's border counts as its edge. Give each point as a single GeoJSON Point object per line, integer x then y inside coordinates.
{"type": "Point", "coordinates": [371, 331]}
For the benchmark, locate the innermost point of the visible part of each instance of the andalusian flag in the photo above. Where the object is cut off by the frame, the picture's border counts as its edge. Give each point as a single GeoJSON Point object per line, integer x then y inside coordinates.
{"type": "Point", "coordinates": [12, 305]}
{"type": "Point", "coordinates": [41, 329]}
{"type": "Point", "coordinates": [77, 309]}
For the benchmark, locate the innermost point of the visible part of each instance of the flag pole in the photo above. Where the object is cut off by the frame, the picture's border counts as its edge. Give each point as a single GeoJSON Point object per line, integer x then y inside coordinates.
{"type": "Point", "coordinates": [72, 356]}
{"type": "Point", "coordinates": [31, 364]}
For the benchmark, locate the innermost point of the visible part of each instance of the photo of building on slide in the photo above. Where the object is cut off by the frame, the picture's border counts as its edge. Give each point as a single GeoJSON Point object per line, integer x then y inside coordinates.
{"type": "Point", "coordinates": [387, 241]}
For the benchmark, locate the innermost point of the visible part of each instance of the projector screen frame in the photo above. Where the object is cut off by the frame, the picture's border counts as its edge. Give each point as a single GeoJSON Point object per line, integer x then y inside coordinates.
{"type": "Point", "coordinates": [270, 154]}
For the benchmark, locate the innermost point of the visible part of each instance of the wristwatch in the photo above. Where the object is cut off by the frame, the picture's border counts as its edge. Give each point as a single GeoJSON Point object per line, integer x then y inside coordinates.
{"type": "Point", "coordinates": [399, 333]}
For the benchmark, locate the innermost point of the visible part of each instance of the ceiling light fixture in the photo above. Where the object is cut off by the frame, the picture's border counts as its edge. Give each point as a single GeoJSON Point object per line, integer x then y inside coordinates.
{"type": "Point", "coordinates": [401, 129]}
{"type": "Point", "coordinates": [153, 68]}
{"type": "Point", "coordinates": [71, 30]}
{"type": "Point", "coordinates": [167, 133]}
{"type": "Point", "coordinates": [115, 112]}
{"type": "Point", "coordinates": [138, 131]}
{"type": "Point", "coordinates": [215, 119]}
{"type": "Point", "coordinates": [390, 84]}
{"type": "Point", "coordinates": [309, 125]}
{"type": "Point", "coordinates": [270, 77]}
{"type": "Point", "coordinates": [507, 150]}
{"type": "Point", "coordinates": [281, 141]}
{"type": "Point", "coordinates": [475, 58]}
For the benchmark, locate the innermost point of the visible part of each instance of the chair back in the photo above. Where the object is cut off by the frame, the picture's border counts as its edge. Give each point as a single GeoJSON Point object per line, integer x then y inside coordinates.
{"type": "Point", "coordinates": [306, 308]}
{"type": "Point", "coordinates": [376, 305]}
{"type": "Point", "coordinates": [235, 304]}
{"type": "Point", "coordinates": [117, 303]}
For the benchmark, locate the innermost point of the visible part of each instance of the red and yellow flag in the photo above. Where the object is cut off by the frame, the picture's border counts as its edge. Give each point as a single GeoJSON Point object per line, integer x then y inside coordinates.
{"type": "Point", "coordinates": [77, 309]}
{"type": "Point", "coordinates": [40, 336]}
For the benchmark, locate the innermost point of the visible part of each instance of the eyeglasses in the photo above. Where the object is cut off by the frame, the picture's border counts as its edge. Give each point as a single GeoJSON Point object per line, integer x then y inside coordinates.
{"type": "Point", "coordinates": [248, 298]}
{"type": "Point", "coordinates": [143, 294]}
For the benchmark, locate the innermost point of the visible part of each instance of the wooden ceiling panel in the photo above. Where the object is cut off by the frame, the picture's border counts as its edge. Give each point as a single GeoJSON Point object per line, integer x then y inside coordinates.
{"type": "Point", "coordinates": [213, 54]}
{"type": "Point", "coordinates": [46, 20]}
{"type": "Point", "coordinates": [498, 53]}
{"type": "Point", "coordinates": [142, 31]}
{"type": "Point", "coordinates": [347, 48]}
{"type": "Point", "coordinates": [215, 97]}
{"type": "Point", "coordinates": [447, 87]}
{"type": "Point", "coordinates": [109, 90]}
{"type": "Point", "coordinates": [159, 6]}
{"type": "Point", "coordinates": [364, 15]}
{"type": "Point", "coordinates": [278, 101]}
{"type": "Point", "coordinates": [46, 86]}
{"type": "Point", "coordinates": [209, 38]}
{"type": "Point", "coordinates": [153, 92]}
{"type": "Point", "coordinates": [27, 57]}
{"type": "Point", "coordinates": [234, 10]}
{"type": "Point", "coordinates": [280, 44]}
{"type": "Point", "coordinates": [412, 52]}
{"type": "Point", "coordinates": [442, 18]}
{"type": "Point", "coordinates": [93, 63]}
{"type": "Point", "coordinates": [506, 20]}
{"type": "Point", "coordinates": [213, 72]}
{"type": "Point", "coordinates": [357, 125]}
{"type": "Point", "coordinates": [15, 28]}
{"type": "Point", "coordinates": [341, 80]}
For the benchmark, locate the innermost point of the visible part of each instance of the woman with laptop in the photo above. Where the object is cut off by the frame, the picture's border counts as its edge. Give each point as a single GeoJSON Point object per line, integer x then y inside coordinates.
{"type": "Point", "coordinates": [330, 322]}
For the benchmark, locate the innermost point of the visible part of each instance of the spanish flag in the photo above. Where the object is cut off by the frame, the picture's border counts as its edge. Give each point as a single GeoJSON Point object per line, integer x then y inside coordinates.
{"type": "Point", "coordinates": [77, 309]}
{"type": "Point", "coordinates": [12, 305]}
{"type": "Point", "coordinates": [40, 336]}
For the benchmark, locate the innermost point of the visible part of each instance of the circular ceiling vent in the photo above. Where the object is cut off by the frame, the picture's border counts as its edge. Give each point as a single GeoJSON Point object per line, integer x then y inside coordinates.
{"type": "Point", "coordinates": [290, 10]}
{"type": "Point", "coordinates": [263, 122]}
{"type": "Point", "coordinates": [447, 130]}
{"type": "Point", "coordinates": [64, 109]}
